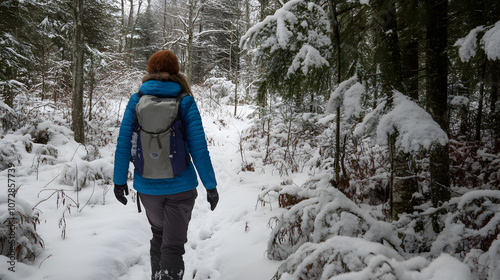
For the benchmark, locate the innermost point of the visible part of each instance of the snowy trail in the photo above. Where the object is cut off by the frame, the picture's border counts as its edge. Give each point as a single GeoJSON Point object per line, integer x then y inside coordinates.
{"type": "Point", "coordinates": [107, 240]}
{"type": "Point", "coordinates": [230, 242]}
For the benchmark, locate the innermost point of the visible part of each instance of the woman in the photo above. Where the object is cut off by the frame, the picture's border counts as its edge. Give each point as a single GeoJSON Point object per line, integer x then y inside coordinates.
{"type": "Point", "coordinates": [168, 202]}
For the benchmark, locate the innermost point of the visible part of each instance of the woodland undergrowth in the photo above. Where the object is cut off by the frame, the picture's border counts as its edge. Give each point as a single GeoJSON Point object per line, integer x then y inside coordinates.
{"type": "Point", "coordinates": [319, 216]}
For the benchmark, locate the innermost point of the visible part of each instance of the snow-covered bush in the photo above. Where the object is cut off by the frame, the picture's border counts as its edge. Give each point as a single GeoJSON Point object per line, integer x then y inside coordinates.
{"type": "Point", "coordinates": [11, 150]}
{"type": "Point", "coordinates": [285, 139]}
{"type": "Point", "coordinates": [349, 258]}
{"type": "Point", "coordinates": [381, 268]}
{"type": "Point", "coordinates": [219, 87]}
{"type": "Point", "coordinates": [81, 173]}
{"type": "Point", "coordinates": [327, 213]}
{"type": "Point", "coordinates": [18, 236]}
{"type": "Point", "coordinates": [335, 256]}
{"type": "Point", "coordinates": [8, 118]}
{"type": "Point", "coordinates": [471, 227]}
{"type": "Point", "coordinates": [473, 168]}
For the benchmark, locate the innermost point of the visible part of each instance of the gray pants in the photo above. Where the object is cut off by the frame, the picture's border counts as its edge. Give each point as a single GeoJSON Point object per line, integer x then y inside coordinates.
{"type": "Point", "coordinates": [169, 217]}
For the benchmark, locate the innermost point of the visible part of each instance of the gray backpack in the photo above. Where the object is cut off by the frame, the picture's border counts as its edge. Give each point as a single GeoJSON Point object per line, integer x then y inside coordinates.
{"type": "Point", "coordinates": [158, 138]}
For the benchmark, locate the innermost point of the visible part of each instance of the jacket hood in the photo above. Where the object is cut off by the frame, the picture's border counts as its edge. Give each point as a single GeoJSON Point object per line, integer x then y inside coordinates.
{"type": "Point", "coordinates": [159, 85]}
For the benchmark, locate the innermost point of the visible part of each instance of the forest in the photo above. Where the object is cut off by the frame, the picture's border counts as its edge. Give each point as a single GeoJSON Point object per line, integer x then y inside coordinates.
{"type": "Point", "coordinates": [380, 119]}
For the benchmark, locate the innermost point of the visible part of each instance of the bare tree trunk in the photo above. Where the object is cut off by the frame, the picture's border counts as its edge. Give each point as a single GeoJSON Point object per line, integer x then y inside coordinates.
{"type": "Point", "coordinates": [437, 95]}
{"type": "Point", "coordinates": [263, 6]}
{"type": "Point", "coordinates": [123, 28]}
{"type": "Point", "coordinates": [389, 58]}
{"type": "Point", "coordinates": [236, 78]}
{"type": "Point", "coordinates": [91, 86]}
{"type": "Point", "coordinates": [479, 118]}
{"type": "Point", "coordinates": [336, 39]}
{"type": "Point", "coordinates": [495, 105]}
{"type": "Point", "coordinates": [164, 29]}
{"type": "Point", "coordinates": [409, 50]}
{"type": "Point", "coordinates": [132, 29]}
{"type": "Point", "coordinates": [192, 16]}
{"type": "Point", "coordinates": [78, 41]}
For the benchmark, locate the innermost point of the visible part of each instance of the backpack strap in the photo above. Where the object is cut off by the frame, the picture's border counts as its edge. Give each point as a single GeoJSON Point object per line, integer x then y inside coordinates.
{"type": "Point", "coordinates": [178, 100]}
{"type": "Point", "coordinates": [180, 96]}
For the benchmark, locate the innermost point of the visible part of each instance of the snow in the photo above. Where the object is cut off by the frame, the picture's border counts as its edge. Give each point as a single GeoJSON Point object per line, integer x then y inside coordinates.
{"type": "Point", "coordinates": [283, 34]}
{"type": "Point", "coordinates": [352, 101]}
{"type": "Point", "coordinates": [491, 42]}
{"type": "Point", "coordinates": [104, 239]}
{"type": "Point", "coordinates": [337, 94]}
{"type": "Point", "coordinates": [308, 57]}
{"type": "Point", "coordinates": [296, 35]}
{"type": "Point", "coordinates": [415, 126]}
{"type": "Point", "coordinates": [468, 44]}
{"type": "Point", "coordinates": [107, 240]}
{"type": "Point", "coordinates": [460, 101]}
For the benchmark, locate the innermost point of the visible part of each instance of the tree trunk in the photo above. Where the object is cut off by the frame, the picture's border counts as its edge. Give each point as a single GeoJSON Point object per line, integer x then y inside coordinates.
{"type": "Point", "coordinates": [236, 78]}
{"type": "Point", "coordinates": [263, 7]}
{"type": "Point", "coordinates": [479, 117]}
{"type": "Point", "coordinates": [403, 180]}
{"type": "Point", "coordinates": [409, 47]}
{"type": "Point", "coordinates": [78, 41]}
{"type": "Point", "coordinates": [463, 110]}
{"type": "Point", "coordinates": [437, 95]}
{"type": "Point", "coordinates": [495, 105]}
{"type": "Point", "coordinates": [91, 86]}
{"type": "Point", "coordinates": [164, 29]}
{"type": "Point", "coordinates": [190, 34]}
{"type": "Point", "coordinates": [336, 38]}
{"type": "Point", "coordinates": [123, 28]}
{"type": "Point", "coordinates": [388, 53]}
{"type": "Point", "coordinates": [388, 56]}
{"type": "Point", "coordinates": [132, 29]}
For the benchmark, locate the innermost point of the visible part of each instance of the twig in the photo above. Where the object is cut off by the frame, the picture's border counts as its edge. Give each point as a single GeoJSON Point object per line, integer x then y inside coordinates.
{"type": "Point", "coordinates": [92, 194]}
{"type": "Point", "coordinates": [44, 260]}
{"type": "Point", "coordinates": [52, 180]}
{"type": "Point", "coordinates": [75, 153]}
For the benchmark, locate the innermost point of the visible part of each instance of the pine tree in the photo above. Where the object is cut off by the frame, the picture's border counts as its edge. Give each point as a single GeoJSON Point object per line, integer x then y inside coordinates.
{"type": "Point", "coordinates": [15, 50]}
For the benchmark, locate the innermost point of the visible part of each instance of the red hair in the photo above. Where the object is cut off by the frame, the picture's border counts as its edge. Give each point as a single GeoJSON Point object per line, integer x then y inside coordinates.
{"type": "Point", "coordinates": [163, 61]}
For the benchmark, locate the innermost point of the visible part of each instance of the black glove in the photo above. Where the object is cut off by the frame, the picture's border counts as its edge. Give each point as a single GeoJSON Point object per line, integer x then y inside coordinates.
{"type": "Point", "coordinates": [212, 198]}
{"type": "Point", "coordinates": [120, 192]}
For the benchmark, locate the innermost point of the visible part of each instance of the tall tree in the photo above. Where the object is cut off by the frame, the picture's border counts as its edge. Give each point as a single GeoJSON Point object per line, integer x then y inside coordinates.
{"type": "Point", "coordinates": [437, 94]}
{"type": "Point", "coordinates": [409, 36]}
{"type": "Point", "coordinates": [15, 48]}
{"type": "Point", "coordinates": [388, 57]}
{"type": "Point", "coordinates": [495, 104]}
{"type": "Point", "coordinates": [78, 55]}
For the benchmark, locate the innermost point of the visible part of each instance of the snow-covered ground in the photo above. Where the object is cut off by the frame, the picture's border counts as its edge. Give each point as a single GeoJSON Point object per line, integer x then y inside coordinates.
{"type": "Point", "coordinates": [89, 235]}
{"type": "Point", "coordinates": [106, 240]}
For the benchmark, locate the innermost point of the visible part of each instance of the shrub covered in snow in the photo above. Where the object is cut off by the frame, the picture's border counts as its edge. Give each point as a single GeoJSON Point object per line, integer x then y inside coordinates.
{"type": "Point", "coordinates": [18, 236]}
{"type": "Point", "coordinates": [8, 118]}
{"type": "Point", "coordinates": [327, 213]}
{"type": "Point", "coordinates": [287, 140]}
{"type": "Point", "coordinates": [335, 256]}
{"type": "Point", "coordinates": [81, 173]}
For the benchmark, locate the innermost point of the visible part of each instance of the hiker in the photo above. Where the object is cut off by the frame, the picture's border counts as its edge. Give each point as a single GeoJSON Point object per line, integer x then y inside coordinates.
{"type": "Point", "coordinates": [168, 201]}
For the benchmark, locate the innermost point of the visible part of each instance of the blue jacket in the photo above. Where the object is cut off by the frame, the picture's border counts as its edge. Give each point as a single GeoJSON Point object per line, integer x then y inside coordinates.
{"type": "Point", "coordinates": [196, 144]}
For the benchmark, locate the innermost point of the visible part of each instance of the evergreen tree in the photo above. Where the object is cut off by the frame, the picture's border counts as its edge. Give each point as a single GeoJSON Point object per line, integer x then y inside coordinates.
{"type": "Point", "coordinates": [15, 49]}
{"type": "Point", "coordinates": [294, 54]}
